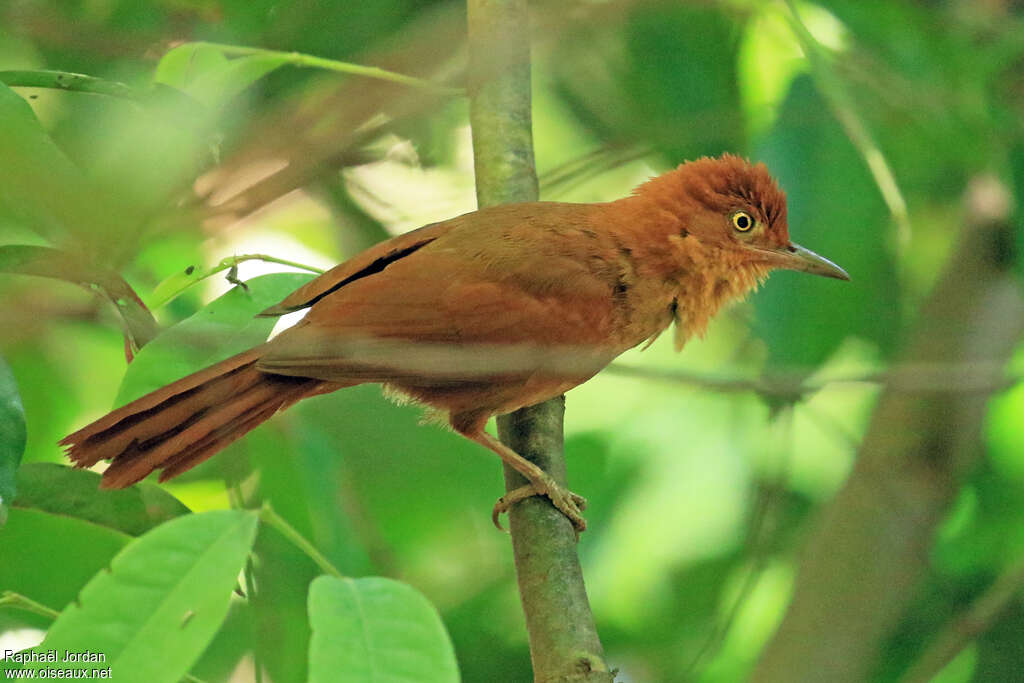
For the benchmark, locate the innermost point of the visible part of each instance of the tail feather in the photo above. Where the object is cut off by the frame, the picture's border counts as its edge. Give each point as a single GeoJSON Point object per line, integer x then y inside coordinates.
{"type": "Point", "coordinates": [178, 426]}
{"type": "Point", "coordinates": [213, 443]}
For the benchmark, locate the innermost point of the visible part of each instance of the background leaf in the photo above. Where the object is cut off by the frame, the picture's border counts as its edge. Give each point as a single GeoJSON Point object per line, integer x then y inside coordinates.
{"type": "Point", "coordinates": [376, 630]}
{"type": "Point", "coordinates": [218, 86]}
{"type": "Point", "coordinates": [60, 490]}
{"type": "Point", "coordinates": [203, 72]}
{"type": "Point", "coordinates": [183, 64]}
{"type": "Point", "coordinates": [664, 75]}
{"type": "Point", "coordinates": [50, 557]}
{"type": "Point", "coordinates": [163, 599]}
{"type": "Point", "coordinates": [42, 188]}
{"type": "Point", "coordinates": [834, 209]}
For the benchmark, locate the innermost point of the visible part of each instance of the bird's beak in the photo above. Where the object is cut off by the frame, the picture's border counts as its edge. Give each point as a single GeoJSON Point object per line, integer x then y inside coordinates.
{"type": "Point", "coordinates": [795, 257]}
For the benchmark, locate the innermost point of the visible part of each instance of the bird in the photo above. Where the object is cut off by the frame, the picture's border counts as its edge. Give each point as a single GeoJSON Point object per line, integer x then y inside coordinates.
{"type": "Point", "coordinates": [480, 315]}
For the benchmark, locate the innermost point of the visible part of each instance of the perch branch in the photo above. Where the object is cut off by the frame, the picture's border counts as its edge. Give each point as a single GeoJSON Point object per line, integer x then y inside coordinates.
{"type": "Point", "coordinates": [564, 645]}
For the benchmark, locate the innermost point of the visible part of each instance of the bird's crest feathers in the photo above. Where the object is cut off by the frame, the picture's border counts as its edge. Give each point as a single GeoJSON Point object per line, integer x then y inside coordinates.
{"type": "Point", "coordinates": [721, 185]}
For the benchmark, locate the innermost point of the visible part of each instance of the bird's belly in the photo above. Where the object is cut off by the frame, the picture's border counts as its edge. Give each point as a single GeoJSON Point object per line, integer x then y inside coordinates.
{"type": "Point", "coordinates": [493, 396]}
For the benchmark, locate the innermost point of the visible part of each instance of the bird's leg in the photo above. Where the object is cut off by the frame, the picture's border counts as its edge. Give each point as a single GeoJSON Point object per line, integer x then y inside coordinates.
{"type": "Point", "coordinates": [541, 484]}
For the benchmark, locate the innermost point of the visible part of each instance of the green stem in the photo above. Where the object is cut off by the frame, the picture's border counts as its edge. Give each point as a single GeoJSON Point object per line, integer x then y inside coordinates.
{"type": "Point", "coordinates": [65, 80]}
{"type": "Point", "coordinates": [564, 644]}
{"type": "Point", "coordinates": [19, 601]}
{"type": "Point", "coordinates": [225, 264]}
{"type": "Point", "coordinates": [271, 518]}
{"type": "Point", "coordinates": [310, 61]}
{"type": "Point", "coordinates": [978, 618]}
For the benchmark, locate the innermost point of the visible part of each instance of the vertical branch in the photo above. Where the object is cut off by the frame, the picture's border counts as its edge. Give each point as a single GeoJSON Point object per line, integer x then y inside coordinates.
{"type": "Point", "coordinates": [861, 565]}
{"type": "Point", "coordinates": [564, 644]}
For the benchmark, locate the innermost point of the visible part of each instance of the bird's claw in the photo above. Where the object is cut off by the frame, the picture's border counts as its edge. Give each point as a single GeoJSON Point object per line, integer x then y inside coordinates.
{"type": "Point", "coordinates": [568, 503]}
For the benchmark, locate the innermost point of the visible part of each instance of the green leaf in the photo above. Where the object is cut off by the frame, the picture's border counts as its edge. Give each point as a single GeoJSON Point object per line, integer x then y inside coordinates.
{"type": "Point", "coordinates": [12, 437]}
{"type": "Point", "coordinates": [218, 86]}
{"type": "Point", "coordinates": [376, 630]}
{"type": "Point", "coordinates": [223, 328]}
{"type": "Point", "coordinates": [181, 65]}
{"type": "Point", "coordinates": [49, 557]}
{"type": "Point", "coordinates": [836, 210]}
{"type": "Point", "coordinates": [163, 599]}
{"type": "Point", "coordinates": [41, 187]}
{"type": "Point", "coordinates": [61, 490]}
{"type": "Point", "coordinates": [669, 79]}
{"type": "Point", "coordinates": [202, 71]}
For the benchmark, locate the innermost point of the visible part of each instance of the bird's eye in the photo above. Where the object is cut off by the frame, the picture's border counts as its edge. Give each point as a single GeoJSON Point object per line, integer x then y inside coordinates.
{"type": "Point", "coordinates": [742, 221]}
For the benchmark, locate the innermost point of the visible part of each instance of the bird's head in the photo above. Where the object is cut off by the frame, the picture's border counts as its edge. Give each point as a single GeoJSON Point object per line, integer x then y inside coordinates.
{"type": "Point", "coordinates": [736, 207]}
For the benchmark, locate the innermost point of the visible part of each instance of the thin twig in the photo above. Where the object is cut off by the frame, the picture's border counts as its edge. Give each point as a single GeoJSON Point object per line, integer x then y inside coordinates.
{"type": "Point", "coordinates": [564, 645]}
{"type": "Point", "coordinates": [162, 298]}
{"type": "Point", "coordinates": [952, 378]}
{"type": "Point", "coordinates": [311, 61]}
{"type": "Point", "coordinates": [978, 618]}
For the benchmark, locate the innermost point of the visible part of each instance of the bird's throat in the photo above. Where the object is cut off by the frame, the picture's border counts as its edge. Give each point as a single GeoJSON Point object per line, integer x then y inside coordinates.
{"type": "Point", "coordinates": [711, 283]}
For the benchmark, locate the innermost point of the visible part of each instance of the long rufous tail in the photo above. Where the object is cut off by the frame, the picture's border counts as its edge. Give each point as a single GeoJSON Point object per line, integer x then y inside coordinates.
{"type": "Point", "coordinates": [182, 424]}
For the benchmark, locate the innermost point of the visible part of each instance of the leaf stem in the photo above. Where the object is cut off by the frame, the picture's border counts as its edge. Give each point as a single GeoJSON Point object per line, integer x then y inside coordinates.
{"type": "Point", "coordinates": [310, 61]}
{"type": "Point", "coordinates": [269, 517]}
{"type": "Point", "coordinates": [19, 601]}
{"type": "Point", "coordinates": [564, 643]}
{"type": "Point", "coordinates": [978, 618]}
{"type": "Point", "coordinates": [224, 264]}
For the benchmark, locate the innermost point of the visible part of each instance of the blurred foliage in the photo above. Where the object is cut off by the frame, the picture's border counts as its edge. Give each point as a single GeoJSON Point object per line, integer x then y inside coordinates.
{"type": "Point", "coordinates": [699, 500]}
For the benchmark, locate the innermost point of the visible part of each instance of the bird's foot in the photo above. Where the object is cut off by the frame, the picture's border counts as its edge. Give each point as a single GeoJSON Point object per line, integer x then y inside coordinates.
{"type": "Point", "coordinates": [568, 503]}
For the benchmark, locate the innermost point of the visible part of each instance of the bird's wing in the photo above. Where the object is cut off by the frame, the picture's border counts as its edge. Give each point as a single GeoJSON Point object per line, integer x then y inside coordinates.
{"type": "Point", "coordinates": [371, 261]}
{"type": "Point", "coordinates": [445, 314]}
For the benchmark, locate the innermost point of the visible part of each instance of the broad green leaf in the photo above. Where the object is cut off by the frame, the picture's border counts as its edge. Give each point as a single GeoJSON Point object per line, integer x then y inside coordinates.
{"type": "Point", "coordinates": [204, 72]}
{"type": "Point", "coordinates": [218, 86]}
{"type": "Point", "coordinates": [223, 328]}
{"type": "Point", "coordinates": [61, 490]}
{"type": "Point", "coordinates": [12, 437]}
{"type": "Point", "coordinates": [182, 65]}
{"type": "Point", "coordinates": [834, 209]}
{"type": "Point", "coordinates": [682, 79]}
{"type": "Point", "coordinates": [162, 600]}
{"type": "Point", "coordinates": [42, 188]}
{"type": "Point", "coordinates": [376, 630]}
{"type": "Point", "coordinates": [50, 557]}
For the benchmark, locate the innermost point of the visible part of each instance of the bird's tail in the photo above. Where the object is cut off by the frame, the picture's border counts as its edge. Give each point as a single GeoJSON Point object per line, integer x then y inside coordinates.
{"type": "Point", "coordinates": [182, 424]}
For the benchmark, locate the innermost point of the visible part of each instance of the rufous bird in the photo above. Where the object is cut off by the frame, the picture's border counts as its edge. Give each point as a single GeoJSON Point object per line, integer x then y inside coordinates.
{"type": "Point", "coordinates": [481, 315]}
